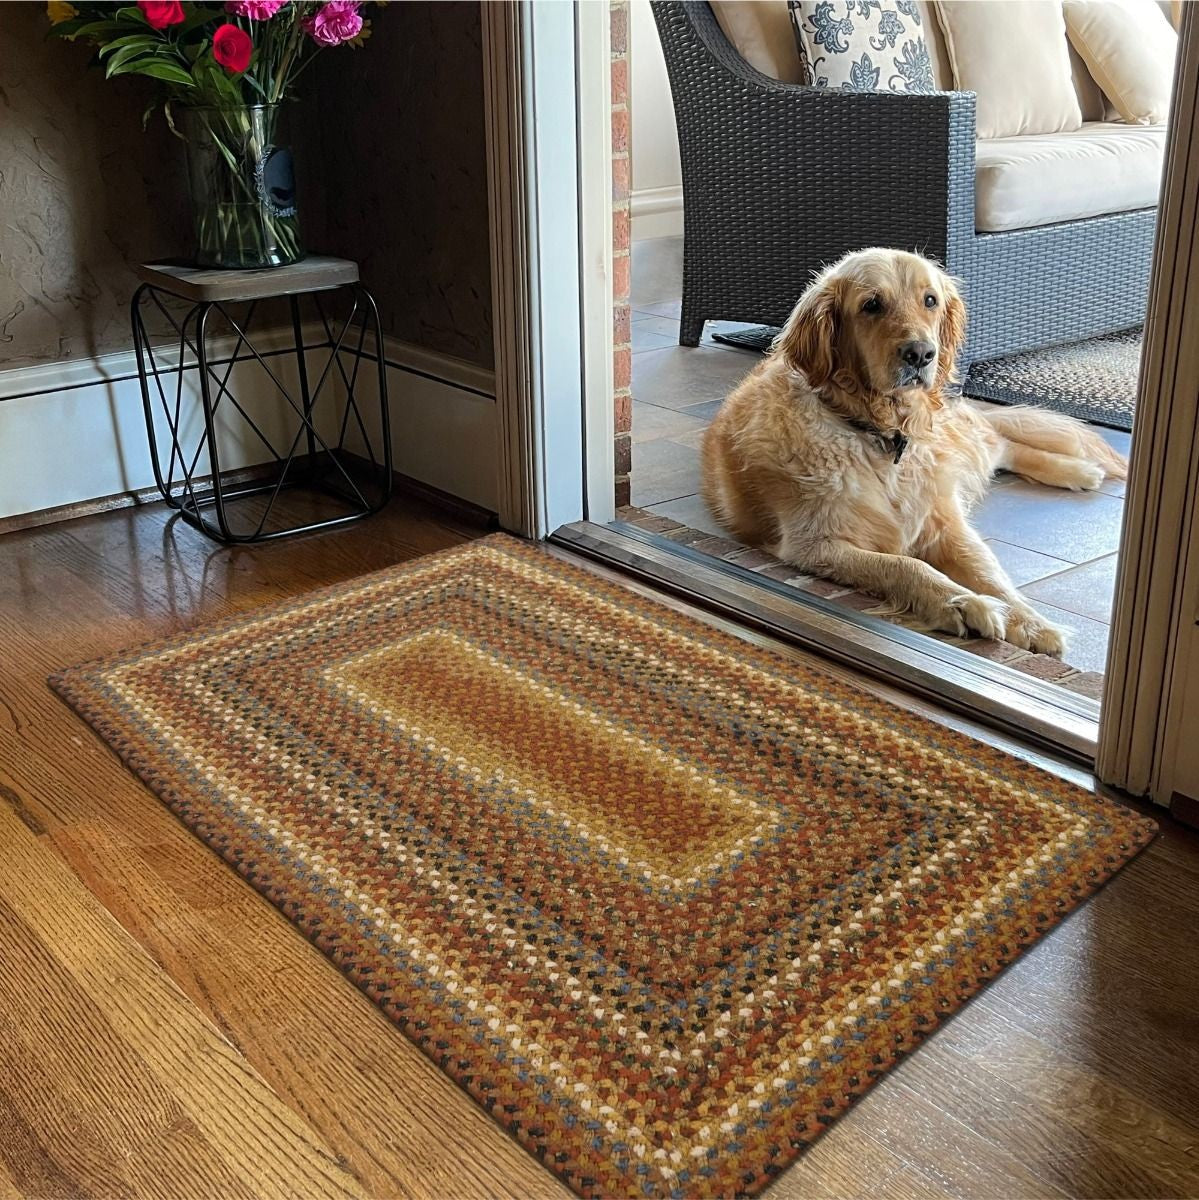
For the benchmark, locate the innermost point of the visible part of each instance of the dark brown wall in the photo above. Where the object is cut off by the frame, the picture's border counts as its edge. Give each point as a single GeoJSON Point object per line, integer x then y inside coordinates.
{"type": "Point", "coordinates": [392, 168]}
{"type": "Point", "coordinates": [83, 192]}
{"type": "Point", "coordinates": [404, 172]}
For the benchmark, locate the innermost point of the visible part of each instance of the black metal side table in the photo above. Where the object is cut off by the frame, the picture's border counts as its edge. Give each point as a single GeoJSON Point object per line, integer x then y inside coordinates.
{"type": "Point", "coordinates": [330, 454]}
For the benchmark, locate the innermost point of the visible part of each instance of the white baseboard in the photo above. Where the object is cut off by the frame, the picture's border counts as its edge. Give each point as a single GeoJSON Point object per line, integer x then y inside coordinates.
{"type": "Point", "coordinates": [40, 379]}
{"type": "Point", "coordinates": [73, 432]}
{"type": "Point", "coordinates": [457, 372]}
{"type": "Point", "coordinates": [656, 212]}
{"type": "Point", "coordinates": [444, 427]}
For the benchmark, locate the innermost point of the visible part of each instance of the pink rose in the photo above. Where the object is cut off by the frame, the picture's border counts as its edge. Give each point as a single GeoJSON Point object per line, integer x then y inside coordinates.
{"type": "Point", "coordinates": [335, 22]}
{"type": "Point", "coordinates": [254, 10]}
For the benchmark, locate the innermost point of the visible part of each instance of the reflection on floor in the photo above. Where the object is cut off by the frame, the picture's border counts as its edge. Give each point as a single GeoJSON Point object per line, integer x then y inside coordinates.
{"type": "Point", "coordinates": [1058, 547]}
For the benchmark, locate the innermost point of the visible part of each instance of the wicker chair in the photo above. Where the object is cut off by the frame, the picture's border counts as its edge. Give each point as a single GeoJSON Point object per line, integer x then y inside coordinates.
{"type": "Point", "coordinates": [780, 179]}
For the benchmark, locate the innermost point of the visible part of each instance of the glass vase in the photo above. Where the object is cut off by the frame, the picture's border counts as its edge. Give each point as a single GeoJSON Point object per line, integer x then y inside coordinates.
{"type": "Point", "coordinates": [242, 187]}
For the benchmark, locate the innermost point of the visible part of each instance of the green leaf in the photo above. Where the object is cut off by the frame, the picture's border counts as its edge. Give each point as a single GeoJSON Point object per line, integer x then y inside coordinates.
{"type": "Point", "coordinates": [123, 55]}
{"type": "Point", "coordinates": [200, 16]}
{"type": "Point", "coordinates": [170, 116]}
{"type": "Point", "coordinates": [130, 39]}
{"type": "Point", "coordinates": [224, 89]}
{"type": "Point", "coordinates": [155, 68]}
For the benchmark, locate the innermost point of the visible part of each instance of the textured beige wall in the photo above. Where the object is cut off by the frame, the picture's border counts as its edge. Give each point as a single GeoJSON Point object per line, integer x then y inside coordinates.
{"type": "Point", "coordinates": [83, 193]}
{"type": "Point", "coordinates": [391, 164]}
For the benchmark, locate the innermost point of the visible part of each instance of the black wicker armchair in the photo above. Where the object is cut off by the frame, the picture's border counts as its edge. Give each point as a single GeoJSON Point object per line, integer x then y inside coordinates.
{"type": "Point", "coordinates": [780, 179]}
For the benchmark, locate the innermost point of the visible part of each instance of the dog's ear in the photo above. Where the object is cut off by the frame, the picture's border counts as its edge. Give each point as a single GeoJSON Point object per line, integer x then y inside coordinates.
{"type": "Point", "coordinates": [809, 339]}
{"type": "Point", "coordinates": [953, 333]}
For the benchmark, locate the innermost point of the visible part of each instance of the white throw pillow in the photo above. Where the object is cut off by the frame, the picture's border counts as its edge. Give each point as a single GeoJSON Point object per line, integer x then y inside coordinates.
{"type": "Point", "coordinates": [1129, 48]}
{"type": "Point", "coordinates": [1013, 54]}
{"type": "Point", "coordinates": [862, 46]}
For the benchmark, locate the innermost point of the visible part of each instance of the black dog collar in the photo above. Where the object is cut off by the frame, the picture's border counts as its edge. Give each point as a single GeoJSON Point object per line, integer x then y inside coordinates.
{"type": "Point", "coordinates": [892, 443]}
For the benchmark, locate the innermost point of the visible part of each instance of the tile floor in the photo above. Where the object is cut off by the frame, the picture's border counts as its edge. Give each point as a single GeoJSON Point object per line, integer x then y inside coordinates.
{"type": "Point", "coordinates": [1059, 547]}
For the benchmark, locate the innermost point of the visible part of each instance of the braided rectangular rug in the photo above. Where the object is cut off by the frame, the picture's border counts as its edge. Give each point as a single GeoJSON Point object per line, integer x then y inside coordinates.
{"type": "Point", "coordinates": [662, 902]}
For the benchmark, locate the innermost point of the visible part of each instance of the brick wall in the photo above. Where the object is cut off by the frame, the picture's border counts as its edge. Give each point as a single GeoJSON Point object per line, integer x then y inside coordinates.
{"type": "Point", "coordinates": [623, 352]}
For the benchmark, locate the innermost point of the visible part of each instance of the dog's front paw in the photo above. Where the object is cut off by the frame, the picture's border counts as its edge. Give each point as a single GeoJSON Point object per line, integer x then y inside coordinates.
{"type": "Point", "coordinates": [971, 614]}
{"type": "Point", "coordinates": [1029, 630]}
{"type": "Point", "coordinates": [985, 615]}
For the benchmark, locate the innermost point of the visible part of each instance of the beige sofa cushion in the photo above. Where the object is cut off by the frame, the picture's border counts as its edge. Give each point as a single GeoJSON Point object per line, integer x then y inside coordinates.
{"type": "Point", "coordinates": [1014, 55]}
{"type": "Point", "coordinates": [761, 32]}
{"type": "Point", "coordinates": [1041, 179]}
{"type": "Point", "coordinates": [1129, 48]}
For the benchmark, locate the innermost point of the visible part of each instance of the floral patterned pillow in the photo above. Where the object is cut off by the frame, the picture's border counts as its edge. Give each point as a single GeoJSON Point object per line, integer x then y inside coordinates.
{"type": "Point", "coordinates": [862, 45]}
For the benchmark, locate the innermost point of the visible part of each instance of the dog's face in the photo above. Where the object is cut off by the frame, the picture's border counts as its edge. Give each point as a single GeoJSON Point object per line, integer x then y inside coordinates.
{"type": "Point", "coordinates": [879, 324]}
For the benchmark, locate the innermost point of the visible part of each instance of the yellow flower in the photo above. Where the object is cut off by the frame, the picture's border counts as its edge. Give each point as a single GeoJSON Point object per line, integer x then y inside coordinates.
{"type": "Point", "coordinates": [59, 11]}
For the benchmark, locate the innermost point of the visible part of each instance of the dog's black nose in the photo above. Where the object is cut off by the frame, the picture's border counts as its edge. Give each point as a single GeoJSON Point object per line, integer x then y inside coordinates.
{"type": "Point", "coordinates": [917, 354]}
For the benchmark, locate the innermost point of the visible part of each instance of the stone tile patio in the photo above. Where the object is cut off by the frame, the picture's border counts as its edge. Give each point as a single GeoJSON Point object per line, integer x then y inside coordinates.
{"type": "Point", "coordinates": [1059, 547]}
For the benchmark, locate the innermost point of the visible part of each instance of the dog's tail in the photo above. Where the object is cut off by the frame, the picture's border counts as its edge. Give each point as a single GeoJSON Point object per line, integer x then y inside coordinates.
{"type": "Point", "coordinates": [1057, 434]}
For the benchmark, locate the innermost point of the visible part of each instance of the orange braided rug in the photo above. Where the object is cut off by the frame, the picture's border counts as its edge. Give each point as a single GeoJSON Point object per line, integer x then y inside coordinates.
{"type": "Point", "coordinates": [663, 903]}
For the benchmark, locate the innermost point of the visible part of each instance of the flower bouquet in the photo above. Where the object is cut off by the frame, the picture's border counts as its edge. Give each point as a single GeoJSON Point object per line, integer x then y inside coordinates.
{"type": "Point", "coordinates": [223, 72]}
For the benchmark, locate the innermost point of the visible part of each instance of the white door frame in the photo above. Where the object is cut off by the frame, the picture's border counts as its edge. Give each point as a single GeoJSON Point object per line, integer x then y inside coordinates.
{"type": "Point", "coordinates": [1154, 651]}
{"type": "Point", "coordinates": [547, 89]}
{"type": "Point", "coordinates": [594, 73]}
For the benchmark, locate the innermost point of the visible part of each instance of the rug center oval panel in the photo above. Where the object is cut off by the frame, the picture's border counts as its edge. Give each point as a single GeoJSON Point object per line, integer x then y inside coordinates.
{"type": "Point", "coordinates": [662, 902]}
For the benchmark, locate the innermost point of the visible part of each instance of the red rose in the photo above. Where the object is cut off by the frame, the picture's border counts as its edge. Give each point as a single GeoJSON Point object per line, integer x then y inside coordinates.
{"type": "Point", "coordinates": [232, 47]}
{"type": "Point", "coordinates": [161, 13]}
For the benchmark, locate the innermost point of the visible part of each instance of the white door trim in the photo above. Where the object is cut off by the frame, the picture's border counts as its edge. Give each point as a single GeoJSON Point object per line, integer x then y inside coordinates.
{"type": "Point", "coordinates": [530, 53]}
{"type": "Point", "coordinates": [594, 50]}
{"type": "Point", "coordinates": [1145, 670]}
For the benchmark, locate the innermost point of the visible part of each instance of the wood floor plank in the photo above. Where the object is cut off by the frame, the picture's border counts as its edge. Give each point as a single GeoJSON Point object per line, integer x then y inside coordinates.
{"type": "Point", "coordinates": [1099, 1114]}
{"type": "Point", "coordinates": [28, 1155]}
{"type": "Point", "coordinates": [131, 1060]}
{"type": "Point", "coordinates": [942, 1146]}
{"type": "Point", "coordinates": [307, 1032]}
{"type": "Point", "coordinates": [8, 1185]}
{"type": "Point", "coordinates": [1100, 1014]}
{"type": "Point", "coordinates": [1092, 1034]}
{"type": "Point", "coordinates": [853, 1163]}
{"type": "Point", "coordinates": [1077, 1157]}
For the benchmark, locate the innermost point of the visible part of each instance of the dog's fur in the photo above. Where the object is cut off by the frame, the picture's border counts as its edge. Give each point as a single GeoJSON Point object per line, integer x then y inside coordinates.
{"type": "Point", "coordinates": [800, 460]}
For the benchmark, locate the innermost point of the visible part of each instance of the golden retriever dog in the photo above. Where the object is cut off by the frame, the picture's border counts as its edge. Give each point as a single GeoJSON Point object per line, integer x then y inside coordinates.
{"type": "Point", "coordinates": [844, 455]}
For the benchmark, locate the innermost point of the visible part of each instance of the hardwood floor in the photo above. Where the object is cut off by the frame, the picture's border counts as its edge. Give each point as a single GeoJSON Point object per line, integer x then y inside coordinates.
{"type": "Point", "coordinates": [165, 1032]}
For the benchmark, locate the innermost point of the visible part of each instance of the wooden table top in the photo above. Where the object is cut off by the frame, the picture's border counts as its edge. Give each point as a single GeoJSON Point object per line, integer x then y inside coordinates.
{"type": "Point", "coordinates": [315, 273]}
